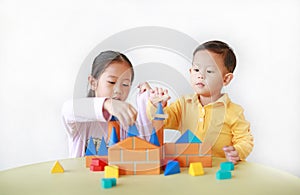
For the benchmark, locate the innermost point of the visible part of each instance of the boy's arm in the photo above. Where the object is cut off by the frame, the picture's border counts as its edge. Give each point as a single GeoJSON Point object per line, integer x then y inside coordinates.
{"type": "Point", "coordinates": [242, 138]}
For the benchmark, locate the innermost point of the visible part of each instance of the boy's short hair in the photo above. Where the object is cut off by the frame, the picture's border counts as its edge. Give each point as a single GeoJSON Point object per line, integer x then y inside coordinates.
{"type": "Point", "coordinates": [221, 48]}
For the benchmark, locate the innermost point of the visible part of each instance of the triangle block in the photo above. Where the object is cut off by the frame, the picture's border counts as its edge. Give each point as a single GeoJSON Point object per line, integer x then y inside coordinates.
{"type": "Point", "coordinates": [159, 111]}
{"type": "Point", "coordinates": [154, 138]}
{"type": "Point", "coordinates": [113, 137]}
{"type": "Point", "coordinates": [132, 131]}
{"type": "Point", "coordinates": [102, 148]}
{"type": "Point", "coordinates": [188, 137]}
{"type": "Point", "coordinates": [172, 167]}
{"type": "Point", "coordinates": [91, 148]}
{"type": "Point", "coordinates": [57, 168]}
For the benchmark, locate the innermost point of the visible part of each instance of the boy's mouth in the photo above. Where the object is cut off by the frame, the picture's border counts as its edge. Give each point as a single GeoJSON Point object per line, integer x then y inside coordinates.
{"type": "Point", "coordinates": [116, 98]}
{"type": "Point", "coordinates": [200, 84]}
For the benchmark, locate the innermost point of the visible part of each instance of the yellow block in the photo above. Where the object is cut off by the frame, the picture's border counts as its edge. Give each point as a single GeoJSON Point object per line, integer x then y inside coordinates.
{"type": "Point", "coordinates": [57, 168]}
{"type": "Point", "coordinates": [196, 169]}
{"type": "Point", "coordinates": [111, 171]}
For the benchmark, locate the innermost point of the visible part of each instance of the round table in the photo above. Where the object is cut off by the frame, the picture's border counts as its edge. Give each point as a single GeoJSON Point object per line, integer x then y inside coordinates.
{"type": "Point", "coordinates": [247, 178]}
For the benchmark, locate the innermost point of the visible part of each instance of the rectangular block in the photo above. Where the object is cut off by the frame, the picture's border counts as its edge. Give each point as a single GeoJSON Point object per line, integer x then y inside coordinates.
{"type": "Point", "coordinates": [182, 160]}
{"type": "Point", "coordinates": [170, 148]}
{"type": "Point", "coordinates": [148, 169]}
{"type": "Point", "coordinates": [205, 160]}
{"type": "Point", "coordinates": [96, 168]}
{"type": "Point", "coordinates": [88, 160]}
{"type": "Point", "coordinates": [188, 148]}
{"type": "Point", "coordinates": [114, 155]}
{"type": "Point", "coordinates": [154, 154]}
{"type": "Point", "coordinates": [126, 169]}
{"type": "Point", "coordinates": [134, 155]}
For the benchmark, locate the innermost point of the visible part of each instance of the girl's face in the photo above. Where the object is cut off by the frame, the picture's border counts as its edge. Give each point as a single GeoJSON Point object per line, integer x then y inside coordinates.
{"type": "Point", "coordinates": [208, 73]}
{"type": "Point", "coordinates": [114, 82]}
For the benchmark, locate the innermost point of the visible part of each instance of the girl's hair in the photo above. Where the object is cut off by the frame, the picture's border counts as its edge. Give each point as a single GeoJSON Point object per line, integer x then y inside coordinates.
{"type": "Point", "coordinates": [221, 48]}
{"type": "Point", "coordinates": [102, 61]}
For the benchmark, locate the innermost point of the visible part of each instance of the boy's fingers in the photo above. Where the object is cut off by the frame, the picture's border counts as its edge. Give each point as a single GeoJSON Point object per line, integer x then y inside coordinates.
{"type": "Point", "coordinates": [228, 148]}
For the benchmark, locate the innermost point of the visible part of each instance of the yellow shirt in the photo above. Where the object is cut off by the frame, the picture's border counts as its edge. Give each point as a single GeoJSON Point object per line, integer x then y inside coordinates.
{"type": "Point", "coordinates": [218, 124]}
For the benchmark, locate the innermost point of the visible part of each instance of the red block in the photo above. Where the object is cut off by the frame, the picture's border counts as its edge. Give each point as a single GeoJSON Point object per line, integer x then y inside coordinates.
{"type": "Point", "coordinates": [96, 168]}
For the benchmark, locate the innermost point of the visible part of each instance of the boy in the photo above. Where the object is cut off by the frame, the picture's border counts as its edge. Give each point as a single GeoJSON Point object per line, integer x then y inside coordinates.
{"type": "Point", "coordinates": [218, 122]}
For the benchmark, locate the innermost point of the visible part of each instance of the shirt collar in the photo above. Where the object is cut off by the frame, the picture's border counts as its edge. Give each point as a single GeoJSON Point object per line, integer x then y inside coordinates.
{"type": "Point", "coordinates": [224, 99]}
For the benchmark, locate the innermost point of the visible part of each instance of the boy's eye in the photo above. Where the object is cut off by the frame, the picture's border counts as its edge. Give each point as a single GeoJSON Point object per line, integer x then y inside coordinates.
{"type": "Point", "coordinates": [210, 71]}
{"type": "Point", "coordinates": [125, 85]}
{"type": "Point", "coordinates": [196, 70]}
{"type": "Point", "coordinates": [111, 82]}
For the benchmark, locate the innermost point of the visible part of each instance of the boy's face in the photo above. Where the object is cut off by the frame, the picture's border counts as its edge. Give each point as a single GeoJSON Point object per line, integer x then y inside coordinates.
{"type": "Point", "coordinates": [208, 73]}
{"type": "Point", "coordinates": [115, 81]}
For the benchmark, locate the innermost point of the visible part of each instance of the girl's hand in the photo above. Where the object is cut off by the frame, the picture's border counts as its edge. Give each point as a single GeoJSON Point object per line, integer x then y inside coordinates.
{"type": "Point", "coordinates": [231, 154]}
{"type": "Point", "coordinates": [159, 95]}
{"type": "Point", "coordinates": [144, 87]}
{"type": "Point", "coordinates": [124, 111]}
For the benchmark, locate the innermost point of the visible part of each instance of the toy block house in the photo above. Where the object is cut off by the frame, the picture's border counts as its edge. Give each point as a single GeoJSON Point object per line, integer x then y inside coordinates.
{"type": "Point", "coordinates": [135, 156]}
{"type": "Point", "coordinates": [186, 150]}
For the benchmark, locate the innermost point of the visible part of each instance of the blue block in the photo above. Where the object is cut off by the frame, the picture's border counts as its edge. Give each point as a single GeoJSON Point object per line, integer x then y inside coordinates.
{"type": "Point", "coordinates": [159, 110]}
{"type": "Point", "coordinates": [188, 137]}
{"type": "Point", "coordinates": [113, 118]}
{"type": "Point", "coordinates": [220, 175]}
{"type": "Point", "coordinates": [154, 139]}
{"type": "Point", "coordinates": [227, 166]}
{"type": "Point", "coordinates": [132, 131]}
{"type": "Point", "coordinates": [102, 148]}
{"type": "Point", "coordinates": [91, 148]}
{"type": "Point", "coordinates": [113, 137]}
{"type": "Point", "coordinates": [172, 167]}
{"type": "Point", "coordinates": [108, 182]}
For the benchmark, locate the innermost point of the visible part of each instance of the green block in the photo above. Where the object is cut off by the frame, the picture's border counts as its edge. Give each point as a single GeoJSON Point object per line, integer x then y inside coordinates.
{"type": "Point", "coordinates": [227, 166]}
{"type": "Point", "coordinates": [106, 183]}
{"type": "Point", "coordinates": [220, 175]}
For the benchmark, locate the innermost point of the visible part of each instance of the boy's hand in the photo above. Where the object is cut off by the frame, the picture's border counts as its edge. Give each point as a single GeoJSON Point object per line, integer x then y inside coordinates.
{"type": "Point", "coordinates": [159, 95]}
{"type": "Point", "coordinates": [231, 154]}
{"type": "Point", "coordinates": [124, 111]}
{"type": "Point", "coordinates": [144, 87]}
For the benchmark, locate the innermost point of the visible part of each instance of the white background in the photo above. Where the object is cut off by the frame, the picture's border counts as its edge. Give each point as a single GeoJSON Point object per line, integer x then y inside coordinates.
{"type": "Point", "coordinates": [43, 43]}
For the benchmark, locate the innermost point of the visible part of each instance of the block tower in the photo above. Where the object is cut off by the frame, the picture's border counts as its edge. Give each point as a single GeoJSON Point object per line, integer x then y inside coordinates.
{"type": "Point", "coordinates": [113, 124]}
{"type": "Point", "coordinates": [158, 123]}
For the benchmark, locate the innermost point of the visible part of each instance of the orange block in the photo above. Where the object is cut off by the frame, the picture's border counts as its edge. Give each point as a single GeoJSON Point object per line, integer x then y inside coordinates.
{"type": "Point", "coordinates": [134, 155]}
{"type": "Point", "coordinates": [154, 154]}
{"type": "Point", "coordinates": [182, 160]}
{"type": "Point", "coordinates": [125, 169]}
{"type": "Point", "coordinates": [114, 155]}
{"type": "Point", "coordinates": [127, 143]}
{"type": "Point", "coordinates": [148, 169]}
{"type": "Point", "coordinates": [142, 144]}
{"type": "Point", "coordinates": [205, 160]}
{"type": "Point", "coordinates": [159, 128]}
{"type": "Point", "coordinates": [170, 148]}
{"type": "Point", "coordinates": [187, 148]}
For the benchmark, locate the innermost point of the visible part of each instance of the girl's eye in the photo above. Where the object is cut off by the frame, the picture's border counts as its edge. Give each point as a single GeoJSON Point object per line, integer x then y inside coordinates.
{"type": "Point", "coordinates": [125, 85]}
{"type": "Point", "coordinates": [196, 70]}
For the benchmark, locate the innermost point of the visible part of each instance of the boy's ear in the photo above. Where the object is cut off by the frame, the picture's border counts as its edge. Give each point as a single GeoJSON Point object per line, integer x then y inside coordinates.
{"type": "Point", "coordinates": [93, 82]}
{"type": "Point", "coordinates": [227, 78]}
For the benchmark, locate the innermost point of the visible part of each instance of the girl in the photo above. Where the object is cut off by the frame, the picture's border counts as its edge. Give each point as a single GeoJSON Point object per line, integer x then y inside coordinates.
{"type": "Point", "coordinates": [110, 81]}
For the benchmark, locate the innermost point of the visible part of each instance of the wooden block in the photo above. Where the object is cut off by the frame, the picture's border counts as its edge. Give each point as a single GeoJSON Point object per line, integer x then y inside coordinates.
{"type": "Point", "coordinates": [88, 160]}
{"type": "Point", "coordinates": [96, 168]}
{"type": "Point", "coordinates": [126, 169]}
{"type": "Point", "coordinates": [205, 160]}
{"type": "Point", "coordinates": [134, 155]}
{"type": "Point", "coordinates": [187, 148]}
{"type": "Point", "coordinates": [57, 168]}
{"type": "Point", "coordinates": [114, 155]}
{"type": "Point", "coordinates": [196, 169]}
{"type": "Point", "coordinates": [148, 169]}
{"type": "Point", "coordinates": [127, 143]}
{"type": "Point", "coordinates": [142, 144]}
{"type": "Point", "coordinates": [182, 160]}
{"type": "Point", "coordinates": [154, 154]}
{"type": "Point", "coordinates": [111, 171]}
{"type": "Point", "coordinates": [170, 148]}
{"type": "Point", "coordinates": [110, 125]}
